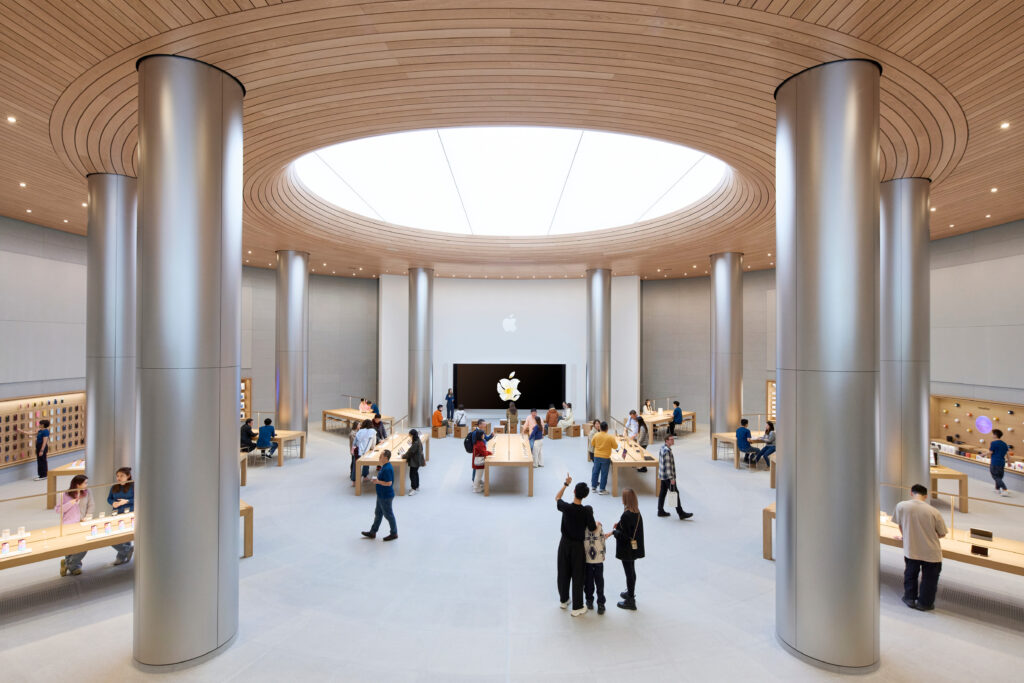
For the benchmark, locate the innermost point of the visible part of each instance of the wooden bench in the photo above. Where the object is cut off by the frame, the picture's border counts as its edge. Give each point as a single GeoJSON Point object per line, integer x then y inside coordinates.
{"type": "Point", "coordinates": [635, 456]}
{"type": "Point", "coordinates": [729, 438]}
{"type": "Point", "coordinates": [350, 416]}
{"type": "Point", "coordinates": [510, 450]}
{"type": "Point", "coordinates": [1004, 554]}
{"type": "Point", "coordinates": [398, 444]}
{"type": "Point", "coordinates": [69, 539]}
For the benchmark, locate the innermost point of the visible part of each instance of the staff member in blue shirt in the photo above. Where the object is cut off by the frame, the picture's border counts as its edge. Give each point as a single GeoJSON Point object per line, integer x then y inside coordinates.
{"type": "Point", "coordinates": [449, 401]}
{"type": "Point", "coordinates": [263, 441]}
{"type": "Point", "coordinates": [42, 447]}
{"type": "Point", "coordinates": [997, 465]}
{"type": "Point", "coordinates": [677, 418]}
{"type": "Point", "coordinates": [743, 442]}
{"type": "Point", "coordinates": [385, 481]}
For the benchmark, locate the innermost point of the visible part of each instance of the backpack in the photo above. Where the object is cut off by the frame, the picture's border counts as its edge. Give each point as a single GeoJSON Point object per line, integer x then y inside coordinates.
{"type": "Point", "coordinates": [468, 443]}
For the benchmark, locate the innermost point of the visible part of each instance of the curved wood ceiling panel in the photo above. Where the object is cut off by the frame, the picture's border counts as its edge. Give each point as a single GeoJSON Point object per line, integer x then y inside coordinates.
{"type": "Point", "coordinates": [697, 73]}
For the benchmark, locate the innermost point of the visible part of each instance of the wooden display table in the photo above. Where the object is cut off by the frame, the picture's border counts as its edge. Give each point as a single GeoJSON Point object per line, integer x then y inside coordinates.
{"type": "Point", "coordinates": [655, 420]}
{"type": "Point", "coordinates": [350, 415]}
{"type": "Point", "coordinates": [69, 470]}
{"type": "Point", "coordinates": [636, 457]}
{"type": "Point", "coordinates": [1003, 554]}
{"type": "Point", "coordinates": [510, 450]}
{"type": "Point", "coordinates": [284, 436]}
{"type": "Point", "coordinates": [943, 472]}
{"type": "Point", "coordinates": [398, 444]}
{"type": "Point", "coordinates": [49, 544]}
{"type": "Point", "coordinates": [243, 466]}
{"type": "Point", "coordinates": [729, 438]}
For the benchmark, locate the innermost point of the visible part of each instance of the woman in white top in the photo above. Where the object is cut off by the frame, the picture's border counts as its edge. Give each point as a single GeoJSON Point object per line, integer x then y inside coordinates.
{"type": "Point", "coordinates": [567, 418]}
{"type": "Point", "coordinates": [648, 407]}
{"type": "Point", "coordinates": [460, 417]}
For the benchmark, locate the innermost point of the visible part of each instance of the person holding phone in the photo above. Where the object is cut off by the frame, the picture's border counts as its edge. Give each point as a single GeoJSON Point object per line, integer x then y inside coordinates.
{"type": "Point", "coordinates": [577, 519]}
{"type": "Point", "coordinates": [121, 499]}
{"type": "Point", "coordinates": [385, 482]}
{"type": "Point", "coordinates": [42, 447]}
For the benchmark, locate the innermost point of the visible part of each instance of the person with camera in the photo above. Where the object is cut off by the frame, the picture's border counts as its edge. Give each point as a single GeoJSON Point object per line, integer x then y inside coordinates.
{"type": "Point", "coordinates": [577, 519]}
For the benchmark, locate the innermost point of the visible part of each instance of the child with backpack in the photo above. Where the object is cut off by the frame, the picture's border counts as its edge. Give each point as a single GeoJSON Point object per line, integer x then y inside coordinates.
{"type": "Point", "coordinates": [480, 454]}
{"type": "Point", "coordinates": [594, 550]}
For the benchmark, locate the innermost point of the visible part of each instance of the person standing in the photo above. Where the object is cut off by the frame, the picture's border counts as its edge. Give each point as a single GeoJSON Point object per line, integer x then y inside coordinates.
{"type": "Point", "coordinates": [632, 426]}
{"type": "Point", "coordinates": [480, 454]}
{"type": "Point", "coordinates": [921, 526]}
{"type": "Point", "coordinates": [248, 436]}
{"type": "Point", "coordinates": [366, 439]}
{"type": "Point", "coordinates": [75, 505]}
{"type": "Point", "coordinates": [121, 499]}
{"type": "Point", "coordinates": [629, 545]}
{"type": "Point", "coordinates": [416, 459]}
{"type": "Point", "coordinates": [594, 552]}
{"type": "Point", "coordinates": [643, 437]}
{"type": "Point", "coordinates": [385, 481]}
{"type": "Point", "coordinates": [536, 444]}
{"type": "Point", "coordinates": [577, 519]}
{"type": "Point", "coordinates": [449, 402]}
{"type": "Point", "coordinates": [603, 445]}
{"type": "Point", "coordinates": [997, 450]}
{"type": "Point", "coordinates": [531, 420]}
{"type": "Point", "coordinates": [677, 418]}
{"type": "Point", "coordinates": [42, 448]}
{"type": "Point", "coordinates": [378, 426]}
{"type": "Point", "coordinates": [667, 476]}
{"type": "Point", "coordinates": [511, 419]}
{"type": "Point", "coordinates": [595, 429]}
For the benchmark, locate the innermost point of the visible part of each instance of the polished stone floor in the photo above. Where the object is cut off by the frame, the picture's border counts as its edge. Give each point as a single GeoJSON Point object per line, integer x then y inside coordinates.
{"type": "Point", "coordinates": [467, 592]}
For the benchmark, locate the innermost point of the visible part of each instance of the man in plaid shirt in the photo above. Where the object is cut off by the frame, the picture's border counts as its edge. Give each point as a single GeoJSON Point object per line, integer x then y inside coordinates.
{"type": "Point", "coordinates": [667, 475]}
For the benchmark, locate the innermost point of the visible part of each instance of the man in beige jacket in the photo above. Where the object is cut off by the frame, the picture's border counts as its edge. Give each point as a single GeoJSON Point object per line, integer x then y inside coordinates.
{"type": "Point", "coordinates": [921, 526]}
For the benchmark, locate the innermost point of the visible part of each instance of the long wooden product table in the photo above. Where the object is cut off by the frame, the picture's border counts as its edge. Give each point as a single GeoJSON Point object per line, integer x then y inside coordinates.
{"type": "Point", "coordinates": [352, 415]}
{"type": "Point", "coordinates": [69, 470]}
{"type": "Point", "coordinates": [282, 437]}
{"type": "Point", "coordinates": [76, 539]}
{"type": "Point", "coordinates": [654, 420]}
{"type": "Point", "coordinates": [398, 444]}
{"type": "Point", "coordinates": [1003, 554]}
{"type": "Point", "coordinates": [730, 438]}
{"type": "Point", "coordinates": [510, 450]}
{"type": "Point", "coordinates": [635, 456]}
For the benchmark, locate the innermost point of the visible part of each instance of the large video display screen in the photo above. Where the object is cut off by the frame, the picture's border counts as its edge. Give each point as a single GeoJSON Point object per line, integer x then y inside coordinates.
{"type": "Point", "coordinates": [491, 386]}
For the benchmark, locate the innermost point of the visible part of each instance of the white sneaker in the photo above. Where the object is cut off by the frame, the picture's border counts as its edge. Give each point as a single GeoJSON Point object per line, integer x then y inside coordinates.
{"type": "Point", "coordinates": [578, 612]}
{"type": "Point", "coordinates": [1004, 492]}
{"type": "Point", "coordinates": [565, 605]}
{"type": "Point", "coordinates": [38, 478]}
{"type": "Point", "coordinates": [603, 492]}
{"type": "Point", "coordinates": [413, 492]}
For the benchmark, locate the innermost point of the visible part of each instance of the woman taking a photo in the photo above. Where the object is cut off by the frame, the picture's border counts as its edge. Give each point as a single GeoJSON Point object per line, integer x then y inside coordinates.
{"type": "Point", "coordinates": [629, 545]}
{"type": "Point", "coordinates": [595, 429]}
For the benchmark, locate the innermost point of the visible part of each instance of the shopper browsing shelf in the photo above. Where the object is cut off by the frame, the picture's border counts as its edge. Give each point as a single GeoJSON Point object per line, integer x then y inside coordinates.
{"type": "Point", "coordinates": [603, 443]}
{"type": "Point", "coordinates": [121, 499]}
{"type": "Point", "coordinates": [265, 439]}
{"type": "Point", "coordinates": [42, 447]}
{"type": "Point", "coordinates": [921, 526]}
{"type": "Point", "coordinates": [667, 476]}
{"type": "Point", "coordinates": [997, 451]}
{"type": "Point", "coordinates": [629, 545]}
{"type": "Point", "coordinates": [385, 483]}
{"type": "Point", "coordinates": [75, 505]}
{"type": "Point", "coordinates": [416, 459]}
{"type": "Point", "coordinates": [577, 519]}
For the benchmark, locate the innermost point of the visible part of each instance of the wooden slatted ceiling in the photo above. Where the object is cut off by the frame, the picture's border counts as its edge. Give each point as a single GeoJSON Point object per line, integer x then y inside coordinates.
{"type": "Point", "coordinates": [697, 73]}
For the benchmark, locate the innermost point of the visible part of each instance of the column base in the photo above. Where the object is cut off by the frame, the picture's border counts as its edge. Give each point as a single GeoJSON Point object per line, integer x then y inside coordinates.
{"type": "Point", "coordinates": [835, 668]}
{"type": "Point", "coordinates": [188, 663]}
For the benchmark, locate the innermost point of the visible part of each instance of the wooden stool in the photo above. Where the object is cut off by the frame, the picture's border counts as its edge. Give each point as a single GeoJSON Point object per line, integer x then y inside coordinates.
{"type": "Point", "coordinates": [572, 430]}
{"type": "Point", "coordinates": [438, 432]}
{"type": "Point", "coordinates": [461, 432]}
{"type": "Point", "coordinates": [500, 429]}
{"type": "Point", "coordinates": [554, 432]}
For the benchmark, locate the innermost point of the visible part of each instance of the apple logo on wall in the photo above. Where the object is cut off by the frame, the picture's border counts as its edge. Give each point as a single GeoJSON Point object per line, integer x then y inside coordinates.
{"type": "Point", "coordinates": [509, 323]}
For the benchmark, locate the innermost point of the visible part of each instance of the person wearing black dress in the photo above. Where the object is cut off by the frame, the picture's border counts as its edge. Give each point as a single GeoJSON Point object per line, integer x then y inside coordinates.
{"type": "Point", "coordinates": [629, 545]}
{"type": "Point", "coordinates": [576, 519]}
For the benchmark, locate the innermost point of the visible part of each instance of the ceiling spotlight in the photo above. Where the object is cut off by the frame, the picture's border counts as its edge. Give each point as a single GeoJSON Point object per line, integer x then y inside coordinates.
{"type": "Point", "coordinates": [932, 209]}
{"type": "Point", "coordinates": [250, 251]}
{"type": "Point", "coordinates": [748, 267]}
{"type": "Point", "coordinates": [271, 265]}
{"type": "Point", "coordinates": [994, 189]}
{"type": "Point", "coordinates": [11, 119]}
{"type": "Point", "coordinates": [360, 267]}
{"type": "Point", "coordinates": [21, 184]}
{"type": "Point", "coordinates": [769, 253]}
{"type": "Point", "coordinates": [85, 204]}
{"type": "Point", "coordinates": [695, 267]}
{"type": "Point", "coordinates": [332, 272]}
{"type": "Point", "coordinates": [28, 210]}
{"type": "Point", "coordinates": [988, 215]}
{"type": "Point", "coordinates": [951, 225]}
{"type": "Point", "coordinates": [353, 274]}
{"type": "Point", "coordinates": [246, 260]}
{"type": "Point", "coordinates": [772, 263]}
{"type": "Point", "coordinates": [325, 265]}
{"type": "Point", "coordinates": [659, 270]}
{"type": "Point", "coordinates": [65, 220]}
{"type": "Point", "coordinates": [1004, 125]}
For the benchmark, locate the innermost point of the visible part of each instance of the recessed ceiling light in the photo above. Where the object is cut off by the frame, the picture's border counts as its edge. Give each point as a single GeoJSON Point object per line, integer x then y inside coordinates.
{"type": "Point", "coordinates": [1004, 125]}
{"type": "Point", "coordinates": [988, 215]}
{"type": "Point", "coordinates": [85, 204]}
{"type": "Point", "coordinates": [11, 119]}
{"type": "Point", "coordinates": [332, 272]}
{"type": "Point", "coordinates": [772, 263]}
{"type": "Point", "coordinates": [65, 220]}
{"type": "Point", "coordinates": [748, 267]}
{"type": "Point", "coordinates": [246, 260]}
{"type": "Point", "coordinates": [951, 225]}
{"type": "Point", "coordinates": [353, 274]}
{"type": "Point", "coordinates": [995, 189]}
{"type": "Point", "coordinates": [325, 265]}
{"type": "Point", "coordinates": [769, 253]}
{"type": "Point", "coordinates": [21, 184]}
{"type": "Point", "coordinates": [360, 267]}
{"type": "Point", "coordinates": [659, 270]}
{"type": "Point", "coordinates": [314, 270]}
{"type": "Point", "coordinates": [665, 275]}
{"type": "Point", "coordinates": [250, 251]}
{"type": "Point", "coordinates": [695, 267]}
{"type": "Point", "coordinates": [28, 210]}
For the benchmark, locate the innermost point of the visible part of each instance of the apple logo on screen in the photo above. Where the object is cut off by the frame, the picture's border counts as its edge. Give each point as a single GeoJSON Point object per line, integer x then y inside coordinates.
{"type": "Point", "coordinates": [509, 323]}
{"type": "Point", "coordinates": [508, 389]}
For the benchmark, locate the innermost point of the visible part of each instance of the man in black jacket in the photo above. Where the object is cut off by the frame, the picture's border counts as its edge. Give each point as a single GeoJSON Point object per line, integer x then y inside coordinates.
{"type": "Point", "coordinates": [576, 519]}
{"type": "Point", "coordinates": [248, 436]}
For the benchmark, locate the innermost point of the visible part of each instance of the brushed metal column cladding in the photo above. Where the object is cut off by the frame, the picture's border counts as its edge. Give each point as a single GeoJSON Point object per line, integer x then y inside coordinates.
{"type": "Point", "coordinates": [827, 185]}
{"type": "Point", "coordinates": [291, 391]}
{"type": "Point", "coordinates": [110, 328]}
{"type": "Point", "coordinates": [904, 348]}
{"type": "Point", "coordinates": [189, 327]}
{"type": "Point", "coordinates": [421, 345]}
{"type": "Point", "coordinates": [726, 341]}
{"type": "Point", "coordinates": [599, 343]}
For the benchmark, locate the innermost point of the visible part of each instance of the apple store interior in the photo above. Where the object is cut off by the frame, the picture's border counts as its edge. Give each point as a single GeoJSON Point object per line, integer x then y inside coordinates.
{"type": "Point", "coordinates": [434, 340]}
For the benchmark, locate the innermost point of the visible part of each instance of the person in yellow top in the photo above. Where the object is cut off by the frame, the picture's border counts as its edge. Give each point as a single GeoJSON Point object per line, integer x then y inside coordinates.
{"type": "Point", "coordinates": [437, 419]}
{"type": "Point", "coordinates": [603, 444]}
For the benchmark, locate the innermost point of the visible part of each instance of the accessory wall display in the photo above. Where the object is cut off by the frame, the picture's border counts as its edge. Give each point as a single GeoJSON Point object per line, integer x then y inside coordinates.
{"type": "Point", "coordinates": [962, 428]}
{"type": "Point", "coordinates": [769, 400]}
{"type": "Point", "coordinates": [245, 399]}
{"type": "Point", "coordinates": [66, 413]}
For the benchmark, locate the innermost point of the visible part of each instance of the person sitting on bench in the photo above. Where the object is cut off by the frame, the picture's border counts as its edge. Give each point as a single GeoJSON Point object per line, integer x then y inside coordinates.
{"type": "Point", "coordinates": [248, 436]}
{"type": "Point", "coordinates": [263, 442]}
{"type": "Point", "coordinates": [743, 442]}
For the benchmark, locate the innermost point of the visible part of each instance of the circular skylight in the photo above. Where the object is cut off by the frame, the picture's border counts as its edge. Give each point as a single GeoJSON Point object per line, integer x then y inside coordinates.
{"type": "Point", "coordinates": [510, 181]}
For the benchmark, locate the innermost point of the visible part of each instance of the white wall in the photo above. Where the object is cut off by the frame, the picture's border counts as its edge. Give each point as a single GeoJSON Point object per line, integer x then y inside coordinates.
{"type": "Point", "coordinates": [393, 345]}
{"type": "Point", "coordinates": [551, 321]}
{"type": "Point", "coordinates": [625, 348]}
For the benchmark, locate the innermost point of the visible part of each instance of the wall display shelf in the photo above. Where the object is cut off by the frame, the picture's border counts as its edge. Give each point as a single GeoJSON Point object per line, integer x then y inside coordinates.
{"type": "Point", "coordinates": [66, 413]}
{"type": "Point", "coordinates": [769, 400]}
{"type": "Point", "coordinates": [245, 399]}
{"type": "Point", "coordinates": [970, 421]}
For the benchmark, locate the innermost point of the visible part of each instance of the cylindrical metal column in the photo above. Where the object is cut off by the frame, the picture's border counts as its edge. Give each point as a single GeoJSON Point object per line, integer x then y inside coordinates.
{"type": "Point", "coordinates": [904, 349]}
{"type": "Point", "coordinates": [110, 328]}
{"type": "Point", "coordinates": [726, 341]}
{"type": "Point", "coordinates": [189, 321]}
{"type": "Point", "coordinates": [291, 389]}
{"type": "Point", "coordinates": [421, 345]}
{"type": "Point", "coordinates": [827, 278]}
{"type": "Point", "coordinates": [599, 343]}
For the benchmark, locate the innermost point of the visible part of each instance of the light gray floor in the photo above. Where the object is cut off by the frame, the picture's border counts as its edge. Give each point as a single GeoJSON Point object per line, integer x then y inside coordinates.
{"type": "Point", "coordinates": [467, 593]}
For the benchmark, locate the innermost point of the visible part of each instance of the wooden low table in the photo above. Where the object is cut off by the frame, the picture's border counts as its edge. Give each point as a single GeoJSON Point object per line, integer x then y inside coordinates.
{"type": "Point", "coordinates": [284, 436]}
{"type": "Point", "coordinates": [398, 444]}
{"type": "Point", "coordinates": [56, 542]}
{"type": "Point", "coordinates": [635, 457]}
{"type": "Point", "coordinates": [69, 470]}
{"type": "Point", "coordinates": [510, 450]}
{"type": "Point", "coordinates": [352, 415]}
{"type": "Point", "coordinates": [1004, 554]}
{"type": "Point", "coordinates": [943, 472]}
{"type": "Point", "coordinates": [729, 438]}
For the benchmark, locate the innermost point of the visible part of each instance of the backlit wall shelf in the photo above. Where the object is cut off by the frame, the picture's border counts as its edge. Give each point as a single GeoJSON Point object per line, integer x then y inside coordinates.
{"type": "Point", "coordinates": [245, 399]}
{"type": "Point", "coordinates": [970, 421]}
{"type": "Point", "coordinates": [66, 413]}
{"type": "Point", "coordinates": [769, 400]}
